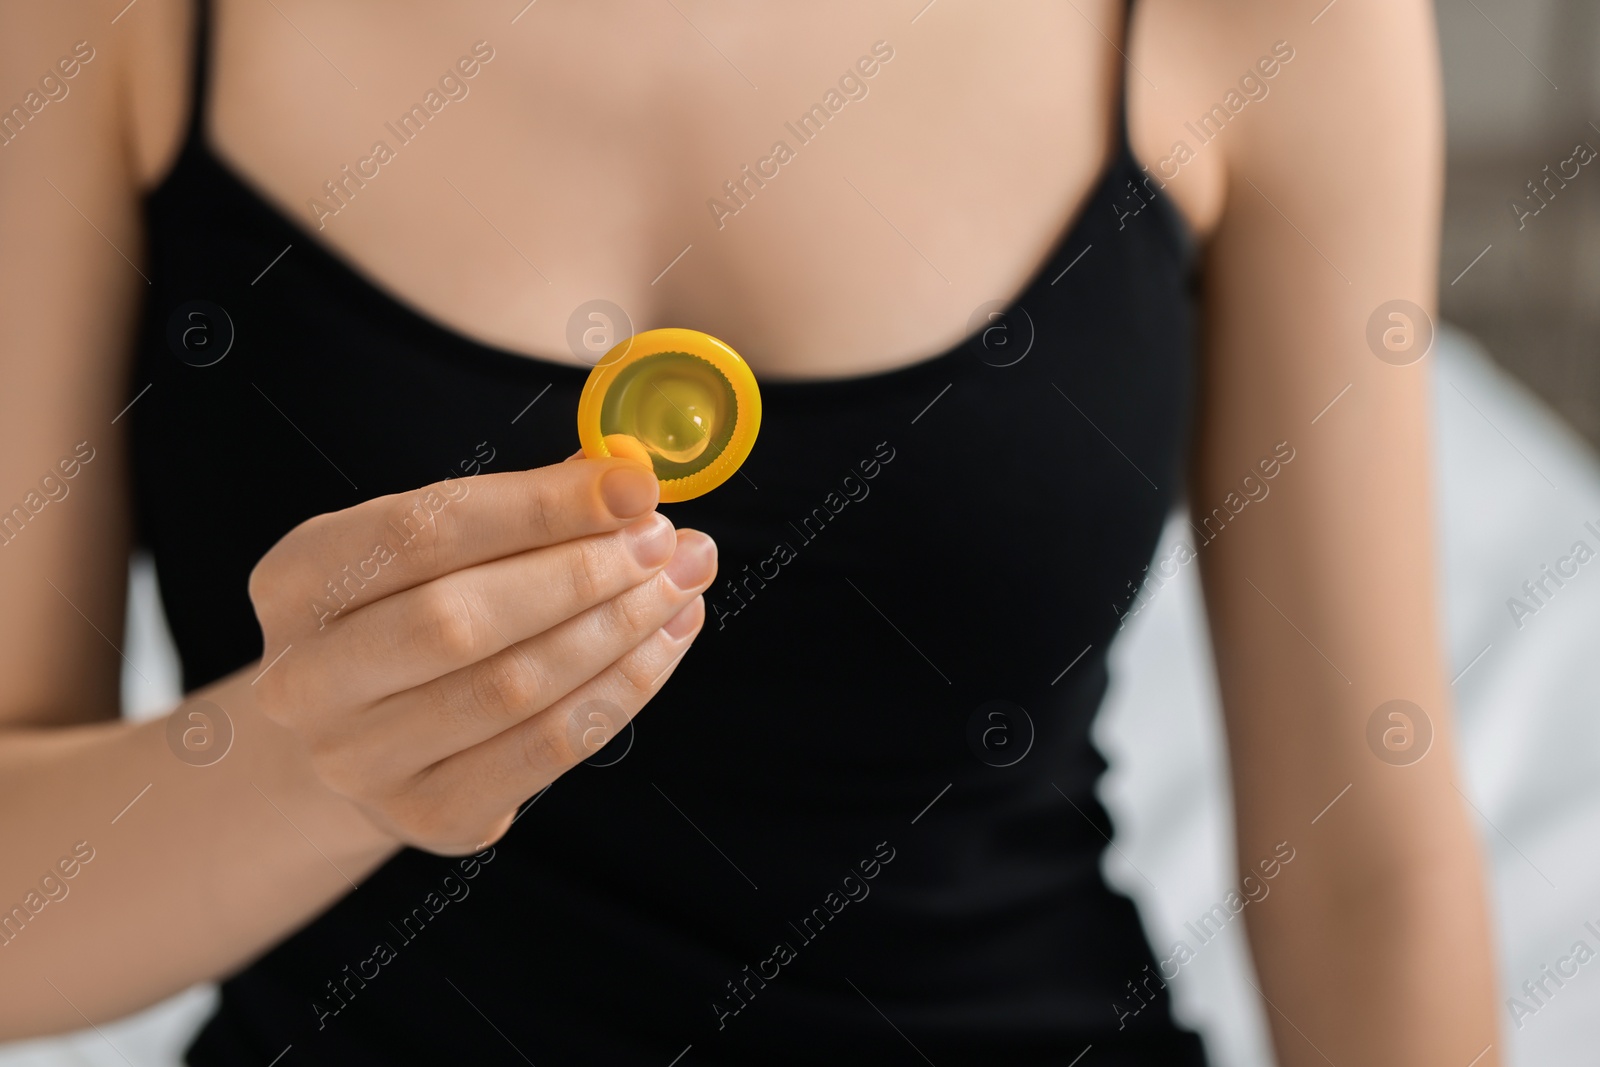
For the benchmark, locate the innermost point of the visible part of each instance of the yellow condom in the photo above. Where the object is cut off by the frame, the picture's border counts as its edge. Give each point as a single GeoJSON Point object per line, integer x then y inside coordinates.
{"type": "Point", "coordinates": [679, 400]}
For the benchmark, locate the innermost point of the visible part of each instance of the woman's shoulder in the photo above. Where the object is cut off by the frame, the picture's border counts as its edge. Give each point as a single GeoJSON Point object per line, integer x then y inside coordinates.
{"type": "Point", "coordinates": [104, 84]}
{"type": "Point", "coordinates": [78, 126]}
{"type": "Point", "coordinates": [1220, 87]}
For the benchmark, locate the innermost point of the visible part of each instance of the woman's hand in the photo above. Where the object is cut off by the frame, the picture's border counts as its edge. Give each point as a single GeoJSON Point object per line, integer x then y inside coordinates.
{"type": "Point", "coordinates": [444, 646]}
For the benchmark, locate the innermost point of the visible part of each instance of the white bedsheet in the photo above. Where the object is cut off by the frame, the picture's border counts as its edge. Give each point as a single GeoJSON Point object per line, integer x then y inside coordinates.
{"type": "Point", "coordinates": [1514, 492]}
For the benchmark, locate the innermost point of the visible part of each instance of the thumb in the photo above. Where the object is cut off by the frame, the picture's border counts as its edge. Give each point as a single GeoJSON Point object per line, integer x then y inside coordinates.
{"type": "Point", "coordinates": [626, 446]}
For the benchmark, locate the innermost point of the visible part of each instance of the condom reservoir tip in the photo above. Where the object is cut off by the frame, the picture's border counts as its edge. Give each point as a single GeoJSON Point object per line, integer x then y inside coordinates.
{"type": "Point", "coordinates": [681, 401]}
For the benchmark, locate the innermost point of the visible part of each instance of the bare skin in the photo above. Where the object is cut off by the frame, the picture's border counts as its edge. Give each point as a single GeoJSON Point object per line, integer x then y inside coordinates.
{"type": "Point", "coordinates": [979, 139]}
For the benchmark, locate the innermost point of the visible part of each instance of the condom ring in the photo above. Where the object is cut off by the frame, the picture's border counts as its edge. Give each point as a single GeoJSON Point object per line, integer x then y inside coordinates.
{"type": "Point", "coordinates": [681, 401]}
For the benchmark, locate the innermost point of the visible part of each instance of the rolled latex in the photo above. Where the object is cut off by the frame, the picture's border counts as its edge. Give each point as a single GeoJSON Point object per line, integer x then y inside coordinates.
{"type": "Point", "coordinates": [679, 400]}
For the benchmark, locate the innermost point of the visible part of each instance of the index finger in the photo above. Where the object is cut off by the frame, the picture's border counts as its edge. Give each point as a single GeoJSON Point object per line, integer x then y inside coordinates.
{"type": "Point", "coordinates": [381, 546]}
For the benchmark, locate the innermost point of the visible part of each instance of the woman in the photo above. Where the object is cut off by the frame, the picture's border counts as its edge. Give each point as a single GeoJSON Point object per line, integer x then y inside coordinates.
{"type": "Point", "coordinates": [300, 280]}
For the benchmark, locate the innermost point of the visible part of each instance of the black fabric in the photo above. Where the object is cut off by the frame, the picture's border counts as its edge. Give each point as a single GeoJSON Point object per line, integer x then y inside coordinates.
{"type": "Point", "coordinates": [957, 533]}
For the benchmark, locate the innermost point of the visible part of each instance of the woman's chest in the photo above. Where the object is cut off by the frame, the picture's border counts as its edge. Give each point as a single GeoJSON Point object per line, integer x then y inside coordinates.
{"type": "Point", "coordinates": [833, 191]}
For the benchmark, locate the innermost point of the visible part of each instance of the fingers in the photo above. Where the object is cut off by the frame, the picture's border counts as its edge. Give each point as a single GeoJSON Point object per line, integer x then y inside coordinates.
{"type": "Point", "coordinates": [333, 564]}
{"type": "Point", "coordinates": [628, 447]}
{"type": "Point", "coordinates": [472, 705]}
{"type": "Point", "coordinates": [428, 631]}
{"type": "Point", "coordinates": [481, 787]}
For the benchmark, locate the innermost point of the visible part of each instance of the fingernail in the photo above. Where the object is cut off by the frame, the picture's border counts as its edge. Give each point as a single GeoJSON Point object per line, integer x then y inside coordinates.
{"type": "Point", "coordinates": [652, 540]}
{"type": "Point", "coordinates": [694, 562]}
{"type": "Point", "coordinates": [628, 491]}
{"type": "Point", "coordinates": [683, 623]}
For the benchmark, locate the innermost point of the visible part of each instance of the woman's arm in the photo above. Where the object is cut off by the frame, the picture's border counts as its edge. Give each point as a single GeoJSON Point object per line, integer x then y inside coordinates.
{"type": "Point", "coordinates": [169, 890]}
{"type": "Point", "coordinates": [1374, 947]}
{"type": "Point", "coordinates": [423, 715]}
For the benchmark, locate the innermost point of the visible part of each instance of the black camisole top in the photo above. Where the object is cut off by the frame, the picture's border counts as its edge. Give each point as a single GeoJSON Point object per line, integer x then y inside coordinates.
{"type": "Point", "coordinates": [858, 825]}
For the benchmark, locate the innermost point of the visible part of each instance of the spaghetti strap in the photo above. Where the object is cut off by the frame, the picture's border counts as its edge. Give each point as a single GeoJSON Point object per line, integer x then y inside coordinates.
{"type": "Point", "coordinates": [1125, 143]}
{"type": "Point", "coordinates": [199, 68]}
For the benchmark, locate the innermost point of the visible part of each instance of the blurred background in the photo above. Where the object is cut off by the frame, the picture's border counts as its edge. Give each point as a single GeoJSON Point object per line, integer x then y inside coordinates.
{"type": "Point", "coordinates": [1522, 88]}
{"type": "Point", "coordinates": [1517, 405]}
